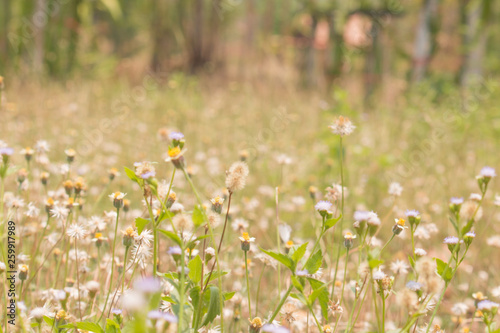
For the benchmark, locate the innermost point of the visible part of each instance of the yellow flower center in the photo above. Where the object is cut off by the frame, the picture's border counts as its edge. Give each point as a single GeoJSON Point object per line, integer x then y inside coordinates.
{"type": "Point", "coordinates": [289, 243]}
{"type": "Point", "coordinates": [24, 268]}
{"type": "Point", "coordinates": [98, 235]}
{"type": "Point", "coordinates": [348, 235]}
{"type": "Point", "coordinates": [246, 236]}
{"type": "Point", "coordinates": [50, 202]}
{"type": "Point", "coordinates": [129, 231]}
{"type": "Point", "coordinates": [174, 151]}
{"type": "Point", "coordinates": [401, 222]}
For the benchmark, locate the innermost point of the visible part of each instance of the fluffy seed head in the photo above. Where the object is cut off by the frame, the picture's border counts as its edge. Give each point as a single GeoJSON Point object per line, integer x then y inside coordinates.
{"type": "Point", "coordinates": [236, 176]}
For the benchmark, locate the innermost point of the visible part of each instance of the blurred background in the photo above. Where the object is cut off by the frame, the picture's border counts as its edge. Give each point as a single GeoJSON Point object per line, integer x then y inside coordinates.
{"type": "Point", "coordinates": [364, 46]}
{"type": "Point", "coordinates": [110, 78]}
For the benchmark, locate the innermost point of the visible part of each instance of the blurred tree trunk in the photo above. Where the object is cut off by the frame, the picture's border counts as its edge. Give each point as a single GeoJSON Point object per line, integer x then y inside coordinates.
{"type": "Point", "coordinates": [425, 40]}
{"type": "Point", "coordinates": [160, 37]}
{"type": "Point", "coordinates": [200, 24]}
{"type": "Point", "coordinates": [74, 27]}
{"type": "Point", "coordinates": [476, 20]}
{"type": "Point", "coordinates": [39, 36]}
{"type": "Point", "coordinates": [4, 32]}
{"type": "Point", "coordinates": [373, 64]}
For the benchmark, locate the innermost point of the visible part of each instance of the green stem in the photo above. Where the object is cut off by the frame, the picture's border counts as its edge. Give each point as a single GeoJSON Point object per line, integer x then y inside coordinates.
{"type": "Point", "coordinates": [359, 311]}
{"type": "Point", "coordinates": [112, 265]}
{"type": "Point", "coordinates": [315, 319]}
{"type": "Point", "coordinates": [124, 267]}
{"type": "Point", "coordinates": [392, 237]}
{"type": "Point", "coordinates": [219, 278]}
{"type": "Point", "coordinates": [280, 305]}
{"type": "Point", "coordinates": [78, 282]}
{"type": "Point", "coordinates": [181, 292]}
{"type": "Point", "coordinates": [342, 212]}
{"type": "Point", "coordinates": [155, 236]}
{"type": "Point", "coordinates": [258, 291]}
{"type": "Point", "coordinates": [383, 312]}
{"type": "Point", "coordinates": [248, 287]}
{"type": "Point", "coordinates": [345, 275]}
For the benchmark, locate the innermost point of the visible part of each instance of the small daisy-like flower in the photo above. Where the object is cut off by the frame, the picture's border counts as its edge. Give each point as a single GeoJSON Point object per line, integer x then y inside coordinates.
{"type": "Point", "coordinates": [399, 267]}
{"type": "Point", "coordinates": [348, 239]}
{"type": "Point", "coordinates": [327, 329]}
{"type": "Point", "coordinates": [23, 272]}
{"type": "Point", "coordinates": [245, 241]}
{"type": "Point", "coordinates": [496, 202]}
{"type": "Point", "coordinates": [272, 328]}
{"type": "Point", "coordinates": [342, 126]}
{"type": "Point", "coordinates": [468, 237]}
{"type": "Point", "coordinates": [459, 309]}
{"type": "Point", "coordinates": [487, 305]}
{"type": "Point", "coordinates": [148, 285]}
{"type": "Point", "coordinates": [303, 272]}
{"type": "Point", "coordinates": [145, 169]}
{"type": "Point", "coordinates": [412, 213]}
{"type": "Point", "coordinates": [324, 207]}
{"type": "Point", "coordinates": [175, 155]}
{"type": "Point", "coordinates": [451, 240]}
{"type": "Point", "coordinates": [420, 252]}
{"type": "Point", "coordinates": [414, 286]}
{"type": "Point", "coordinates": [487, 172]}
{"type": "Point", "coordinates": [255, 325]}
{"type": "Point", "coordinates": [456, 201]}
{"type": "Point", "coordinates": [76, 231]}
{"type": "Point", "coordinates": [70, 155]}
{"type": "Point", "coordinates": [129, 236]}
{"type": "Point", "coordinates": [399, 226]}
{"type": "Point", "coordinates": [361, 215]}
{"type": "Point", "coordinates": [59, 212]}
{"type": "Point", "coordinates": [395, 189]}
{"type": "Point", "coordinates": [217, 204]}
{"type": "Point", "coordinates": [378, 275]}
{"type": "Point", "coordinates": [176, 136]}
{"type": "Point", "coordinates": [117, 199]}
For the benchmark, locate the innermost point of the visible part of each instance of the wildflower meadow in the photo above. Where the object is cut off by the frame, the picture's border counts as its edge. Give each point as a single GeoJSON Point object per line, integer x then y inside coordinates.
{"type": "Point", "coordinates": [229, 166]}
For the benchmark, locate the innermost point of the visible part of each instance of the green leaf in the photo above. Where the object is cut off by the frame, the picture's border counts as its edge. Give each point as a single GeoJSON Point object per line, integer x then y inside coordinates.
{"type": "Point", "coordinates": [131, 174]}
{"type": "Point", "coordinates": [314, 263]}
{"type": "Point", "coordinates": [285, 260]}
{"type": "Point", "coordinates": [332, 222]}
{"type": "Point", "coordinates": [467, 227]}
{"type": "Point", "coordinates": [173, 236]}
{"type": "Point", "coordinates": [297, 284]}
{"type": "Point", "coordinates": [89, 326]}
{"type": "Point", "coordinates": [213, 306]}
{"type": "Point", "coordinates": [114, 8]}
{"type": "Point", "coordinates": [374, 263]}
{"type": "Point", "coordinates": [443, 270]}
{"type": "Point", "coordinates": [229, 295]}
{"type": "Point", "coordinates": [140, 223]}
{"type": "Point", "coordinates": [298, 253]}
{"type": "Point", "coordinates": [195, 267]}
{"type": "Point", "coordinates": [198, 216]}
{"type": "Point", "coordinates": [301, 298]}
{"type": "Point", "coordinates": [215, 275]}
{"type": "Point", "coordinates": [195, 295]}
{"type": "Point", "coordinates": [453, 223]}
{"type": "Point", "coordinates": [112, 326]}
{"type": "Point", "coordinates": [321, 294]}
{"type": "Point", "coordinates": [168, 299]}
{"type": "Point", "coordinates": [49, 321]}
{"type": "Point", "coordinates": [412, 262]}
